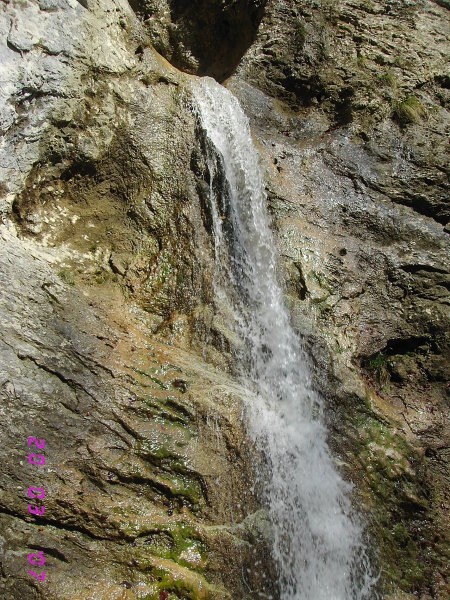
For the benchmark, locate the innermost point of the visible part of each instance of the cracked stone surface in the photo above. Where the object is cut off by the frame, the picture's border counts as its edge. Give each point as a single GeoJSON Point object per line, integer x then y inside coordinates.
{"type": "Point", "coordinates": [138, 440]}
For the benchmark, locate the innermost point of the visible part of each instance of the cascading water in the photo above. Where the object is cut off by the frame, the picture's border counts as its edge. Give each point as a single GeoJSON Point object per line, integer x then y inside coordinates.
{"type": "Point", "coordinates": [317, 543]}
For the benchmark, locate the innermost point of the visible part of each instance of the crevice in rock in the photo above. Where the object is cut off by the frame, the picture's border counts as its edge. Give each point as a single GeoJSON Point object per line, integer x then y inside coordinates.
{"type": "Point", "coordinates": [64, 378]}
{"type": "Point", "coordinates": [58, 524]}
{"type": "Point", "coordinates": [404, 345]}
{"type": "Point", "coordinates": [202, 37]}
{"type": "Point", "coordinates": [50, 552]}
{"type": "Point", "coordinates": [418, 268]}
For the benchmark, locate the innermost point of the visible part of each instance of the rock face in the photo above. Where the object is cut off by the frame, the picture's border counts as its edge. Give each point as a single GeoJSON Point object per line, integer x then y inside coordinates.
{"type": "Point", "coordinates": [367, 65]}
{"type": "Point", "coordinates": [141, 495]}
{"type": "Point", "coordinates": [206, 37]}
{"type": "Point", "coordinates": [109, 339]}
{"type": "Point", "coordinates": [105, 275]}
{"type": "Point", "coordinates": [357, 161]}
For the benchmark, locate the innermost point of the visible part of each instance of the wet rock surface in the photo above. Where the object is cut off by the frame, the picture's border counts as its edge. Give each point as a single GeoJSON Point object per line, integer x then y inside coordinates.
{"type": "Point", "coordinates": [358, 191]}
{"type": "Point", "coordinates": [138, 480]}
{"type": "Point", "coordinates": [370, 65]}
{"type": "Point", "coordinates": [105, 276]}
{"type": "Point", "coordinates": [108, 330]}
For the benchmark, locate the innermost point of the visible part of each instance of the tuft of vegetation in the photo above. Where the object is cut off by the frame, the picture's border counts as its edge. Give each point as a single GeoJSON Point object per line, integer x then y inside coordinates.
{"type": "Point", "coordinates": [66, 276]}
{"type": "Point", "coordinates": [377, 365]}
{"type": "Point", "coordinates": [301, 33]}
{"type": "Point", "coordinates": [361, 61]}
{"type": "Point", "coordinates": [377, 362]}
{"type": "Point", "coordinates": [410, 110]}
{"type": "Point", "coordinates": [388, 79]}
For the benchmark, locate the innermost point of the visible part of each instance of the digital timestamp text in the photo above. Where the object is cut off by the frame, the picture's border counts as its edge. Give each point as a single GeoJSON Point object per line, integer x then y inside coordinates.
{"type": "Point", "coordinates": [36, 458]}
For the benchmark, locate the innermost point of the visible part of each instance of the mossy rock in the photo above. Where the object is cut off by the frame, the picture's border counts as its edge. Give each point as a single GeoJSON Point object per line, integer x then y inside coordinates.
{"type": "Point", "coordinates": [409, 111]}
{"type": "Point", "coordinates": [180, 543]}
{"type": "Point", "coordinates": [398, 500]}
{"type": "Point", "coordinates": [182, 583]}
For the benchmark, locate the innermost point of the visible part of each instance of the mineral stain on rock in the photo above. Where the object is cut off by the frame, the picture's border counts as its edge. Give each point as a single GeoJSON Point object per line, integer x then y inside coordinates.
{"type": "Point", "coordinates": [110, 347]}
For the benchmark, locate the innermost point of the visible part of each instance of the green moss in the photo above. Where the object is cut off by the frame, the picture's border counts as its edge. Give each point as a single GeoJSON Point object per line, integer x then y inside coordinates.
{"type": "Point", "coordinates": [374, 430]}
{"type": "Point", "coordinates": [148, 450]}
{"type": "Point", "coordinates": [301, 33]}
{"type": "Point", "coordinates": [410, 110]}
{"type": "Point", "coordinates": [171, 470]}
{"type": "Point", "coordinates": [175, 587]}
{"type": "Point", "coordinates": [186, 487]}
{"type": "Point", "coordinates": [377, 365]}
{"type": "Point", "coordinates": [185, 542]}
{"type": "Point", "coordinates": [182, 577]}
{"type": "Point", "coordinates": [168, 410]}
{"type": "Point", "coordinates": [156, 380]}
{"type": "Point", "coordinates": [163, 269]}
{"type": "Point", "coordinates": [398, 498]}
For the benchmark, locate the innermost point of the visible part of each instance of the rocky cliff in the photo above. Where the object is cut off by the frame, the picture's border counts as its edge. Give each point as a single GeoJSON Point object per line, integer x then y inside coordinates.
{"type": "Point", "coordinates": [110, 347]}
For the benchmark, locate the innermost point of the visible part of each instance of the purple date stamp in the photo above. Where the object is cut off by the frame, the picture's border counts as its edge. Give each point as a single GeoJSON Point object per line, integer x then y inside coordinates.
{"type": "Point", "coordinates": [36, 493]}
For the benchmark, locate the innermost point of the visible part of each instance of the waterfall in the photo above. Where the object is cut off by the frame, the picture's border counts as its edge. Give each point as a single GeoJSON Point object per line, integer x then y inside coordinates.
{"type": "Point", "coordinates": [317, 539]}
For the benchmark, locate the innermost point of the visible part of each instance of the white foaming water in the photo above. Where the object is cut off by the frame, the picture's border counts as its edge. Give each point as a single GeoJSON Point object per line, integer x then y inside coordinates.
{"type": "Point", "coordinates": [317, 543]}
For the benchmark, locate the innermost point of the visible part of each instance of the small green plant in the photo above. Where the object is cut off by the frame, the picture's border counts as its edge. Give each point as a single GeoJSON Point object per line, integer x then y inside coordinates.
{"type": "Point", "coordinates": [148, 79]}
{"type": "Point", "coordinates": [102, 276]}
{"type": "Point", "coordinates": [301, 33]}
{"type": "Point", "coordinates": [388, 79]}
{"type": "Point", "coordinates": [377, 362]}
{"type": "Point", "coordinates": [66, 276]}
{"type": "Point", "coordinates": [410, 110]}
{"type": "Point", "coordinates": [361, 61]}
{"type": "Point", "coordinates": [369, 6]}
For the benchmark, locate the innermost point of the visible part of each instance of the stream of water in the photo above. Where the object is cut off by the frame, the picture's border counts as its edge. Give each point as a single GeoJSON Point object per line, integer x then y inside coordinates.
{"type": "Point", "coordinates": [317, 539]}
